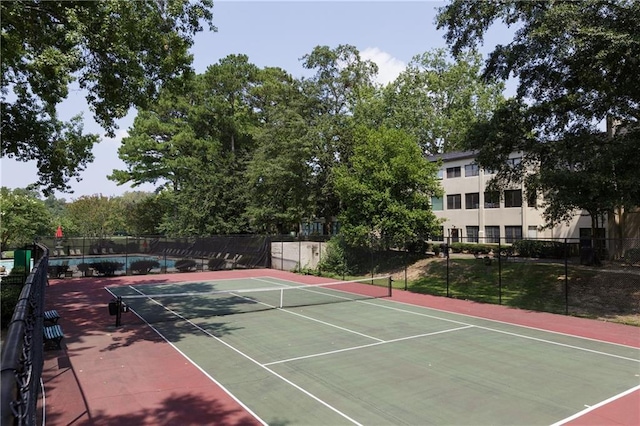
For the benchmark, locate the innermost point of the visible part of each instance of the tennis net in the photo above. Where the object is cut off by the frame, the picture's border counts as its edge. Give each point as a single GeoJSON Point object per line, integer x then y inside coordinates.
{"type": "Point", "coordinates": [159, 307]}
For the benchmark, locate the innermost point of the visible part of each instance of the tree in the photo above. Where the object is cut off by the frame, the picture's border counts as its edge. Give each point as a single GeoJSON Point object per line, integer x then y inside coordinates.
{"type": "Point", "coordinates": [341, 78]}
{"type": "Point", "coordinates": [279, 174]}
{"type": "Point", "coordinates": [162, 145]}
{"type": "Point", "coordinates": [96, 215]}
{"type": "Point", "coordinates": [24, 217]}
{"type": "Point", "coordinates": [577, 65]}
{"type": "Point", "coordinates": [198, 138]}
{"type": "Point", "coordinates": [119, 52]}
{"type": "Point", "coordinates": [386, 189]}
{"type": "Point", "coordinates": [438, 101]}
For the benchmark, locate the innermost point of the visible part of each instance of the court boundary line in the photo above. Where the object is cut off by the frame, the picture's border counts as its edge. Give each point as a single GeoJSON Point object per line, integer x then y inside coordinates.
{"type": "Point", "coordinates": [210, 377]}
{"type": "Point", "coordinates": [596, 406]}
{"type": "Point", "coordinates": [417, 336]}
{"type": "Point", "coordinates": [299, 388]}
{"type": "Point", "coordinates": [514, 334]}
{"type": "Point", "coordinates": [482, 318]}
{"type": "Point", "coordinates": [522, 336]}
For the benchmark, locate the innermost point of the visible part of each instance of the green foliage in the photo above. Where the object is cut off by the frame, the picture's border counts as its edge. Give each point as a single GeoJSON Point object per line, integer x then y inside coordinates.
{"type": "Point", "coordinates": [216, 264]}
{"type": "Point", "coordinates": [540, 249]}
{"type": "Point", "coordinates": [107, 268]}
{"type": "Point", "coordinates": [536, 286]}
{"type": "Point", "coordinates": [335, 259]}
{"type": "Point", "coordinates": [9, 294]}
{"type": "Point", "coordinates": [437, 101]}
{"type": "Point", "coordinates": [279, 173]}
{"type": "Point", "coordinates": [96, 215]}
{"type": "Point", "coordinates": [386, 190]}
{"type": "Point", "coordinates": [632, 256]}
{"type": "Point", "coordinates": [17, 276]}
{"type": "Point", "coordinates": [571, 63]}
{"type": "Point", "coordinates": [24, 217]}
{"type": "Point", "coordinates": [144, 266]}
{"type": "Point", "coordinates": [185, 265]}
{"type": "Point", "coordinates": [119, 52]}
{"type": "Point", "coordinates": [473, 247]}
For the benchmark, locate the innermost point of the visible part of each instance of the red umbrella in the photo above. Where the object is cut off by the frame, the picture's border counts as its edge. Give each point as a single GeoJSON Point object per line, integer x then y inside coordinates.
{"type": "Point", "coordinates": [59, 232]}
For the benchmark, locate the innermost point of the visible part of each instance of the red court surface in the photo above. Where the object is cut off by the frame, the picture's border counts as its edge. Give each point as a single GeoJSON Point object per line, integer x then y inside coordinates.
{"type": "Point", "coordinates": [107, 375]}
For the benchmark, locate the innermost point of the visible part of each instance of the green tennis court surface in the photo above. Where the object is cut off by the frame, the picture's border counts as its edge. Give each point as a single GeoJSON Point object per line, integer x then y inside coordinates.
{"type": "Point", "coordinates": [373, 361]}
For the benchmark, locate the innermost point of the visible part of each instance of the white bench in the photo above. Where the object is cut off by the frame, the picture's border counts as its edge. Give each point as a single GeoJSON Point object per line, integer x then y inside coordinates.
{"type": "Point", "coordinates": [51, 316]}
{"type": "Point", "coordinates": [53, 334]}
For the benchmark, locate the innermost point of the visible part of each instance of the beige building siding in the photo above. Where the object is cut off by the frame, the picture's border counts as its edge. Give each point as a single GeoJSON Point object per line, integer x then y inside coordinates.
{"type": "Point", "coordinates": [528, 218]}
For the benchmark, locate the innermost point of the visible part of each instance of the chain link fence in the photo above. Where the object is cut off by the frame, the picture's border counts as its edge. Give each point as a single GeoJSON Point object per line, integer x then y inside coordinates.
{"type": "Point", "coordinates": [133, 255]}
{"type": "Point", "coordinates": [598, 278]}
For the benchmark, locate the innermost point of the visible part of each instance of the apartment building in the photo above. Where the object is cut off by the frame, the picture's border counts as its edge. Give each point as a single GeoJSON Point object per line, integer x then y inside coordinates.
{"type": "Point", "coordinates": [473, 214]}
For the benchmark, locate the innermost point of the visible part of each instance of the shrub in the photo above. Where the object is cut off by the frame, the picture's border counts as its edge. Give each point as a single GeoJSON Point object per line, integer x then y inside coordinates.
{"type": "Point", "coordinates": [216, 264]}
{"type": "Point", "coordinates": [107, 268]}
{"type": "Point", "coordinates": [540, 249]}
{"type": "Point", "coordinates": [9, 295]}
{"type": "Point", "coordinates": [632, 256]}
{"type": "Point", "coordinates": [144, 266]}
{"type": "Point", "coordinates": [83, 267]}
{"type": "Point", "coordinates": [334, 259]}
{"type": "Point", "coordinates": [473, 247]}
{"type": "Point", "coordinates": [185, 265]}
{"type": "Point", "coordinates": [17, 276]}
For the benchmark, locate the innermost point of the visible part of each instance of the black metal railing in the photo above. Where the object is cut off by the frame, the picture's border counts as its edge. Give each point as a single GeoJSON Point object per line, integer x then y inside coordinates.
{"type": "Point", "coordinates": [22, 351]}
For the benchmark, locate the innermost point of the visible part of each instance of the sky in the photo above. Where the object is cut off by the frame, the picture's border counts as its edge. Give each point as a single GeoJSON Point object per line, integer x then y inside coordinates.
{"type": "Point", "coordinates": [274, 34]}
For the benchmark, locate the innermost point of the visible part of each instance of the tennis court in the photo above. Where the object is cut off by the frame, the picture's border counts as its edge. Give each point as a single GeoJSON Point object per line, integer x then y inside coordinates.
{"type": "Point", "coordinates": [290, 355]}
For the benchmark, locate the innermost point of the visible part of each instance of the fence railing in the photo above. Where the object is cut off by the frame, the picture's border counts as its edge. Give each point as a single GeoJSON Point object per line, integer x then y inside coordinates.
{"type": "Point", "coordinates": [127, 255]}
{"type": "Point", "coordinates": [585, 277]}
{"type": "Point", "coordinates": [22, 350]}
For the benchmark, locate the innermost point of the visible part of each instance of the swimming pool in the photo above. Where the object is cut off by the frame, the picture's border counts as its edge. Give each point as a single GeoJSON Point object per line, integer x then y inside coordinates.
{"type": "Point", "coordinates": [8, 264]}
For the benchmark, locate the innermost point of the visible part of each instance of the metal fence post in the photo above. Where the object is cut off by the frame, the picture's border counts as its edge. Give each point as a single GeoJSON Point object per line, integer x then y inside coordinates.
{"type": "Point", "coordinates": [446, 247]}
{"type": "Point", "coordinates": [566, 279]}
{"type": "Point", "coordinates": [499, 272]}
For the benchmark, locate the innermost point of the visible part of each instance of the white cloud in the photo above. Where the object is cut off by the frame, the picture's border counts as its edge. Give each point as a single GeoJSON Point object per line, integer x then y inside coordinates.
{"type": "Point", "coordinates": [388, 67]}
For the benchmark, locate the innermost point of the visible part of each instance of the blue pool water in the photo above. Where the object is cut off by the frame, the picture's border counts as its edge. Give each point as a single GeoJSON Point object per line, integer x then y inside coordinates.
{"type": "Point", "coordinates": [8, 264]}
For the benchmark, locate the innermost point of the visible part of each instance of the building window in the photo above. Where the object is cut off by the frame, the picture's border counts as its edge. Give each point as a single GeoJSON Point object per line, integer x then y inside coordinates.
{"type": "Point", "coordinates": [512, 162]}
{"type": "Point", "coordinates": [491, 200]}
{"type": "Point", "coordinates": [454, 202]}
{"type": "Point", "coordinates": [513, 198]}
{"type": "Point", "coordinates": [471, 170]}
{"type": "Point", "coordinates": [440, 174]}
{"type": "Point", "coordinates": [532, 199]}
{"type": "Point", "coordinates": [437, 203]}
{"type": "Point", "coordinates": [472, 200]}
{"type": "Point", "coordinates": [453, 172]}
{"type": "Point", "coordinates": [513, 233]}
{"type": "Point", "coordinates": [532, 232]}
{"type": "Point", "coordinates": [472, 234]}
{"type": "Point", "coordinates": [492, 234]}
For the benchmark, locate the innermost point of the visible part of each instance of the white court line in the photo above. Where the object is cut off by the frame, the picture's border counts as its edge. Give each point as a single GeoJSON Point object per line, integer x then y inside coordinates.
{"type": "Point", "coordinates": [367, 346]}
{"type": "Point", "coordinates": [193, 362]}
{"type": "Point", "coordinates": [309, 394]}
{"type": "Point", "coordinates": [331, 325]}
{"type": "Point", "coordinates": [522, 336]}
{"type": "Point", "coordinates": [598, 405]}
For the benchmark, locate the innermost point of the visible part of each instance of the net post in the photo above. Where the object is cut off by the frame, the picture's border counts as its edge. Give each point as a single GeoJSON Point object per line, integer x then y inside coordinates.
{"type": "Point", "coordinates": [281, 298]}
{"type": "Point", "coordinates": [118, 311]}
{"type": "Point", "coordinates": [390, 285]}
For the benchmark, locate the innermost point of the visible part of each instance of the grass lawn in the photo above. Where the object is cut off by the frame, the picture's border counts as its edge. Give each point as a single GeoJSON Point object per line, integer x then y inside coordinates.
{"type": "Point", "coordinates": [535, 285]}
